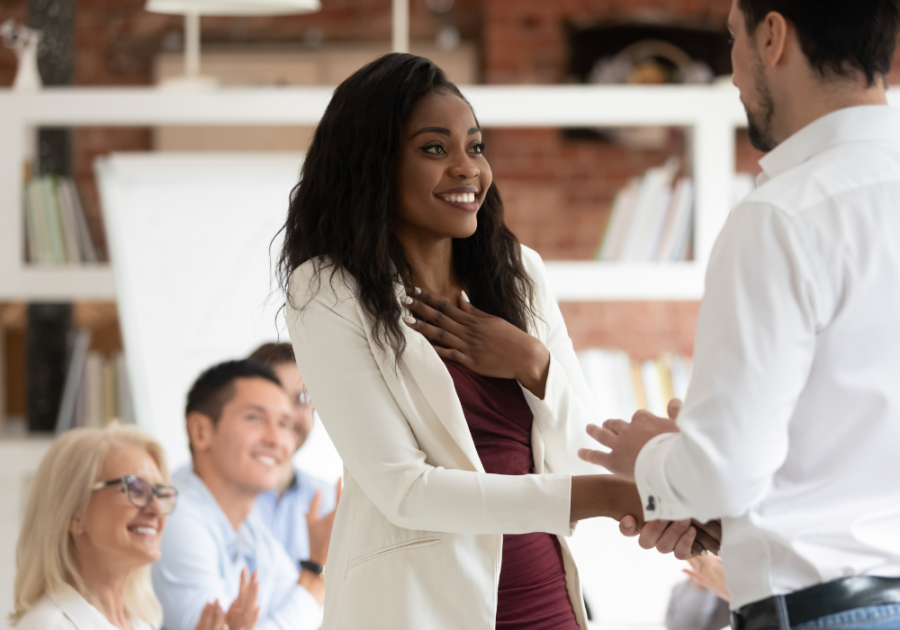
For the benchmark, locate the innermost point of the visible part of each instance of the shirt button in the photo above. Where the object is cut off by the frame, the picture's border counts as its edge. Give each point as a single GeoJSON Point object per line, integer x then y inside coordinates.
{"type": "Point", "coordinates": [651, 504]}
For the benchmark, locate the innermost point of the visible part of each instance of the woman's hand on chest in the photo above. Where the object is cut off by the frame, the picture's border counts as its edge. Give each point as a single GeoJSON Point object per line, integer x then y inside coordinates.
{"type": "Point", "coordinates": [487, 345]}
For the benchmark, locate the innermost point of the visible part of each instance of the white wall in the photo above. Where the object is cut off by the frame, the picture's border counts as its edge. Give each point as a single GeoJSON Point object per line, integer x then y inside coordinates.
{"type": "Point", "coordinates": [189, 238]}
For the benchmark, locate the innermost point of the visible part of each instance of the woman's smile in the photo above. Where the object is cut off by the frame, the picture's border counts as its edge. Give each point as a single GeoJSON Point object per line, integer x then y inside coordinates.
{"type": "Point", "coordinates": [462, 197]}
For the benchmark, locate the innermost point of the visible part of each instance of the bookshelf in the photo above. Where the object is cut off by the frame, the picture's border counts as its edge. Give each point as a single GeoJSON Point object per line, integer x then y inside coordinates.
{"type": "Point", "coordinates": [711, 113]}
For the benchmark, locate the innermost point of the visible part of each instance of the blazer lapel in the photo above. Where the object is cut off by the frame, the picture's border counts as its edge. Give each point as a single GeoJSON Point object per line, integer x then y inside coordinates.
{"type": "Point", "coordinates": [423, 365]}
{"type": "Point", "coordinates": [82, 615]}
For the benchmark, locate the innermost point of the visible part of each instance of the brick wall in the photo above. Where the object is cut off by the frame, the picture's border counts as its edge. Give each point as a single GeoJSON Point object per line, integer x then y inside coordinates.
{"type": "Point", "coordinates": [117, 42]}
{"type": "Point", "coordinates": [557, 190]}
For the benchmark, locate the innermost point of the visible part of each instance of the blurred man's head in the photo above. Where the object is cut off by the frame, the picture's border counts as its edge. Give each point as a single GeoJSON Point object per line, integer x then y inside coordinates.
{"type": "Point", "coordinates": [240, 426]}
{"type": "Point", "coordinates": [793, 56]}
{"type": "Point", "coordinates": [280, 358]}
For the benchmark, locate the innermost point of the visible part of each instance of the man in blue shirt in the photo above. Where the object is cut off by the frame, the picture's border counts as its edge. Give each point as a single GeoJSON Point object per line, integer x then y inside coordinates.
{"type": "Point", "coordinates": [299, 495]}
{"type": "Point", "coordinates": [240, 427]}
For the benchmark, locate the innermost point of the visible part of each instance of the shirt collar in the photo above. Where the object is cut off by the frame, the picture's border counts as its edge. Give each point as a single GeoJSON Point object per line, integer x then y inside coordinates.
{"type": "Point", "coordinates": [78, 610]}
{"type": "Point", "coordinates": [852, 124]}
{"type": "Point", "coordinates": [243, 541]}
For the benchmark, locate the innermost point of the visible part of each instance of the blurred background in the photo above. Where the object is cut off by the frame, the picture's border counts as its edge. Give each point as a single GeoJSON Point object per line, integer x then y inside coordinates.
{"type": "Point", "coordinates": [112, 282]}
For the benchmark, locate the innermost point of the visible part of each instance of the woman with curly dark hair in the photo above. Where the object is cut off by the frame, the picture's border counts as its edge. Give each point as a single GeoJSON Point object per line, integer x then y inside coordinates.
{"type": "Point", "coordinates": [441, 368]}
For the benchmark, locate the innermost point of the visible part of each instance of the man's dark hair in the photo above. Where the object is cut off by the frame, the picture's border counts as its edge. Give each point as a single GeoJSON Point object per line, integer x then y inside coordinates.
{"type": "Point", "coordinates": [837, 36]}
{"type": "Point", "coordinates": [273, 354]}
{"type": "Point", "coordinates": [215, 387]}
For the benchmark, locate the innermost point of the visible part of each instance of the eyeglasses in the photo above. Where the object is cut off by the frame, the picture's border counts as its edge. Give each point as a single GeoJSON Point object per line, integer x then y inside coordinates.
{"type": "Point", "coordinates": [302, 398]}
{"type": "Point", "coordinates": [141, 492]}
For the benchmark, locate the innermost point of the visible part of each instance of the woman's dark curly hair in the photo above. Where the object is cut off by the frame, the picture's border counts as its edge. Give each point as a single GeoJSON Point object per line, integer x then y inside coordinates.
{"type": "Point", "coordinates": [343, 209]}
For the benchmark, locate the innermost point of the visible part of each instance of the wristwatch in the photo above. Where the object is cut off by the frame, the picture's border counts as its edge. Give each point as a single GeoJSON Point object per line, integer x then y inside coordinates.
{"type": "Point", "coordinates": [313, 567]}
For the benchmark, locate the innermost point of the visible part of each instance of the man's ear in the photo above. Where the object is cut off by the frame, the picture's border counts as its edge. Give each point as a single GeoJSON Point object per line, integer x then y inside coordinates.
{"type": "Point", "coordinates": [772, 38]}
{"type": "Point", "coordinates": [200, 429]}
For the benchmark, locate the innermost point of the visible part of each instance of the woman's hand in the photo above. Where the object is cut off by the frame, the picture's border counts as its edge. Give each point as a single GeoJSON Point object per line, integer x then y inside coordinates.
{"type": "Point", "coordinates": [487, 345]}
{"type": "Point", "coordinates": [244, 611]}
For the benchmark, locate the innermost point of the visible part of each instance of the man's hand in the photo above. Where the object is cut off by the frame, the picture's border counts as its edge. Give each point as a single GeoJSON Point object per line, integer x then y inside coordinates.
{"type": "Point", "coordinates": [625, 441]}
{"type": "Point", "coordinates": [686, 539]}
{"type": "Point", "coordinates": [244, 610]}
{"type": "Point", "coordinates": [211, 618]}
{"type": "Point", "coordinates": [319, 527]}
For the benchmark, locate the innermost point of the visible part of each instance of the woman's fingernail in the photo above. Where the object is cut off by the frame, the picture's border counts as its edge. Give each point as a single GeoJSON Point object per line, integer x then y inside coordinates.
{"type": "Point", "coordinates": [704, 553]}
{"type": "Point", "coordinates": [466, 297]}
{"type": "Point", "coordinates": [409, 320]}
{"type": "Point", "coordinates": [417, 290]}
{"type": "Point", "coordinates": [407, 299]}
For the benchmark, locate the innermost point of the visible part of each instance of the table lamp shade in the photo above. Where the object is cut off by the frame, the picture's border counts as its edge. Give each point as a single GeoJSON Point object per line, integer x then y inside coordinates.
{"type": "Point", "coordinates": [232, 7]}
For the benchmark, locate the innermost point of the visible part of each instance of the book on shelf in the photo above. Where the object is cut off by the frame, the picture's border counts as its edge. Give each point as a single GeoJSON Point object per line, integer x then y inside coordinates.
{"type": "Point", "coordinates": [652, 217]}
{"type": "Point", "coordinates": [622, 385]}
{"type": "Point", "coordinates": [96, 391]}
{"type": "Point", "coordinates": [56, 229]}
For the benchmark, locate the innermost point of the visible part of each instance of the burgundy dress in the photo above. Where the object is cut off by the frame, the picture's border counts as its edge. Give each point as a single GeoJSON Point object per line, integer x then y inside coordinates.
{"type": "Point", "coordinates": [532, 593]}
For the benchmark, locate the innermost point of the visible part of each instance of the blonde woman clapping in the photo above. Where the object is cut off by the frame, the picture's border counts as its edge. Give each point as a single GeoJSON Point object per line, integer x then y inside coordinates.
{"type": "Point", "coordinates": [92, 528]}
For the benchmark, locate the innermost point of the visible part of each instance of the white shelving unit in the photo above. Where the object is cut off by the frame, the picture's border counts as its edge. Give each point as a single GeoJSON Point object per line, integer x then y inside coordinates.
{"type": "Point", "coordinates": [711, 112]}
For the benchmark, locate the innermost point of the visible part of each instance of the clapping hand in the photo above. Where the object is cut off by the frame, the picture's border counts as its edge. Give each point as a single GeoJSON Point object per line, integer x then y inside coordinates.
{"type": "Point", "coordinates": [212, 618]}
{"type": "Point", "coordinates": [707, 573]}
{"type": "Point", "coordinates": [244, 610]}
{"type": "Point", "coordinates": [319, 527]}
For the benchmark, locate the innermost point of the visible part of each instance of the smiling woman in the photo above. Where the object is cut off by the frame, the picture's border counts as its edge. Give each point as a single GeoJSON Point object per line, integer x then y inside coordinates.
{"type": "Point", "coordinates": [92, 528]}
{"type": "Point", "coordinates": [440, 366]}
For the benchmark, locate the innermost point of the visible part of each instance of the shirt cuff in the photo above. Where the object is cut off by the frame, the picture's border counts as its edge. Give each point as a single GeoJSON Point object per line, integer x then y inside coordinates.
{"type": "Point", "coordinates": [556, 384]}
{"type": "Point", "coordinates": [557, 488]}
{"type": "Point", "coordinates": [650, 477]}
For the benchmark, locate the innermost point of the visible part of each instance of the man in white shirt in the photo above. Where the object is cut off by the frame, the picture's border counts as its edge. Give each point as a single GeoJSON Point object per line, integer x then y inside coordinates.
{"type": "Point", "coordinates": [790, 430]}
{"type": "Point", "coordinates": [240, 427]}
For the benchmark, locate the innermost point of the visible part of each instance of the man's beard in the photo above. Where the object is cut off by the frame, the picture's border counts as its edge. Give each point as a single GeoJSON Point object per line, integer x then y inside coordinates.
{"type": "Point", "coordinates": [760, 121]}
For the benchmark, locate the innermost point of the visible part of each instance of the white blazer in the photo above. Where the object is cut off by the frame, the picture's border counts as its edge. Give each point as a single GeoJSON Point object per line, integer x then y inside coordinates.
{"type": "Point", "coordinates": [417, 541]}
{"type": "Point", "coordinates": [68, 610]}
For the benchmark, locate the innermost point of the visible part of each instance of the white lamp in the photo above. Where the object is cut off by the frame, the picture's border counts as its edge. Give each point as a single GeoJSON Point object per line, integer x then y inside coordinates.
{"type": "Point", "coordinates": [193, 9]}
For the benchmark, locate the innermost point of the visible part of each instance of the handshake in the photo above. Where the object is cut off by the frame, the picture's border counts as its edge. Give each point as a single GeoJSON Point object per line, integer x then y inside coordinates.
{"type": "Point", "coordinates": [687, 538]}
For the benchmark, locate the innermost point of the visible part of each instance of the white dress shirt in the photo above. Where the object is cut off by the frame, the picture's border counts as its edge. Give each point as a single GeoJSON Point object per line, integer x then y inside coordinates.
{"type": "Point", "coordinates": [203, 556]}
{"type": "Point", "coordinates": [68, 610]}
{"type": "Point", "coordinates": [790, 429]}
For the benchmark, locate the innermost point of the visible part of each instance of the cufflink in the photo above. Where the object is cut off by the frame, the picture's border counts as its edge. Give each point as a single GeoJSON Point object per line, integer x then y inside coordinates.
{"type": "Point", "coordinates": [651, 504]}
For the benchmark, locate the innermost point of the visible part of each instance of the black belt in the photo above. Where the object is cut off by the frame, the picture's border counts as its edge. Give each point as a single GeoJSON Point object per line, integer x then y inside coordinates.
{"type": "Point", "coordinates": [786, 611]}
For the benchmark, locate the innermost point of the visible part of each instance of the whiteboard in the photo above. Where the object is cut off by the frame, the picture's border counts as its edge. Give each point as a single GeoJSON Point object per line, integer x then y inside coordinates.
{"type": "Point", "coordinates": [191, 243]}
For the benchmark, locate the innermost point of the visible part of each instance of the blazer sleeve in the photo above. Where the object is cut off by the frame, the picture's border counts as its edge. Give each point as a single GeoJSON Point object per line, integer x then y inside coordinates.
{"type": "Point", "coordinates": [378, 446]}
{"type": "Point", "coordinates": [568, 405]}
